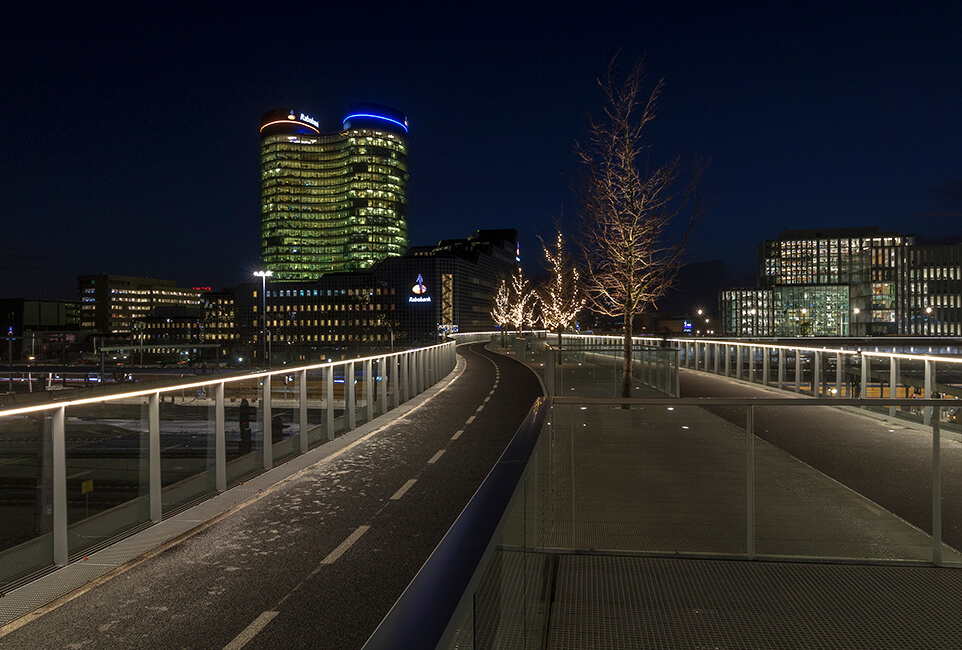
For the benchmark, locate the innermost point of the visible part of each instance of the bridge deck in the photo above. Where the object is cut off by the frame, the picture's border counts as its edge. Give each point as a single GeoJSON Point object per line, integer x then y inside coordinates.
{"type": "Point", "coordinates": [311, 555]}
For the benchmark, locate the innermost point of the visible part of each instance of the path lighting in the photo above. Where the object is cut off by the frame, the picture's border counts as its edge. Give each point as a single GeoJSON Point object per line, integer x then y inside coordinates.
{"type": "Point", "coordinates": [263, 275]}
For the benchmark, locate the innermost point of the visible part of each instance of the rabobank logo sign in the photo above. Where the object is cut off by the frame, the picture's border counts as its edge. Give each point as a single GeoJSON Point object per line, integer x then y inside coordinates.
{"type": "Point", "coordinates": [420, 291]}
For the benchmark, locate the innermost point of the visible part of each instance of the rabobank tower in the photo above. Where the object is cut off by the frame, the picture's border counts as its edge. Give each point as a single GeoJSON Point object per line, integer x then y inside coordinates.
{"type": "Point", "coordinates": [332, 200]}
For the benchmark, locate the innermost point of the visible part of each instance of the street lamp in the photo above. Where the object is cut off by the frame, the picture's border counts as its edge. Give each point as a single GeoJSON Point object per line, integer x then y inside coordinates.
{"type": "Point", "coordinates": [263, 275]}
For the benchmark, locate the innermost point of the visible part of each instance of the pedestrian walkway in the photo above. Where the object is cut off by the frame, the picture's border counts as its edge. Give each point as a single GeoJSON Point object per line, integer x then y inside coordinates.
{"type": "Point", "coordinates": [673, 479]}
{"type": "Point", "coordinates": [645, 511]}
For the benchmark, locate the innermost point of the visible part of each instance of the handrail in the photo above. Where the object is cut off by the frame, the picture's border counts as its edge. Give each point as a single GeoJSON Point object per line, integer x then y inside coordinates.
{"type": "Point", "coordinates": [409, 373]}
{"type": "Point", "coordinates": [257, 374]}
{"type": "Point", "coordinates": [422, 616]}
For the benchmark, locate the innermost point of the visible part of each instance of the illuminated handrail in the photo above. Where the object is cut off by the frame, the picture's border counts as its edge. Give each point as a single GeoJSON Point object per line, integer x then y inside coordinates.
{"type": "Point", "coordinates": [407, 372]}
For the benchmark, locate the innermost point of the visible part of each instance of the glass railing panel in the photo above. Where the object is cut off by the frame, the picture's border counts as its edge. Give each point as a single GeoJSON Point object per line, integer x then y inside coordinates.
{"type": "Point", "coordinates": [947, 385]}
{"type": "Point", "coordinates": [244, 425]}
{"type": "Point", "coordinates": [589, 373]}
{"type": "Point", "coordinates": [26, 494]}
{"type": "Point", "coordinates": [660, 479]}
{"type": "Point", "coordinates": [754, 364]}
{"type": "Point", "coordinates": [807, 372]}
{"type": "Point", "coordinates": [879, 384]}
{"type": "Point", "coordinates": [512, 598]}
{"type": "Point", "coordinates": [361, 395]}
{"type": "Point", "coordinates": [316, 407]}
{"type": "Point", "coordinates": [379, 370]}
{"type": "Point", "coordinates": [792, 380]}
{"type": "Point", "coordinates": [187, 461]}
{"type": "Point", "coordinates": [911, 373]}
{"type": "Point", "coordinates": [510, 606]}
{"type": "Point", "coordinates": [950, 469]}
{"type": "Point", "coordinates": [388, 374]}
{"type": "Point", "coordinates": [833, 375]}
{"type": "Point", "coordinates": [816, 497]}
{"type": "Point", "coordinates": [342, 383]}
{"type": "Point", "coordinates": [285, 415]}
{"type": "Point", "coordinates": [106, 469]}
{"type": "Point", "coordinates": [771, 354]}
{"type": "Point", "coordinates": [598, 371]}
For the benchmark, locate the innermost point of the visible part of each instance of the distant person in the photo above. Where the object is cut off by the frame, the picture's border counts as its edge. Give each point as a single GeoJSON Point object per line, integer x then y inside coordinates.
{"type": "Point", "coordinates": [244, 417]}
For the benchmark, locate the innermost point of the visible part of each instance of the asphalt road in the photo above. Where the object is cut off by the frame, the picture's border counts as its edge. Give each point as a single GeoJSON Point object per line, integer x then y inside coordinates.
{"type": "Point", "coordinates": [320, 560]}
{"type": "Point", "coordinates": [882, 459]}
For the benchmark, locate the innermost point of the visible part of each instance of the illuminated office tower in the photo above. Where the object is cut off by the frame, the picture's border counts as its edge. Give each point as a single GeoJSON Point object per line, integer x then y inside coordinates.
{"type": "Point", "coordinates": [332, 201]}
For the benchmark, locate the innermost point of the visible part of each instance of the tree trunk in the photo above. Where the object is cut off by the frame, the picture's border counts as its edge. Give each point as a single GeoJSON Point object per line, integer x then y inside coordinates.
{"type": "Point", "coordinates": [626, 366]}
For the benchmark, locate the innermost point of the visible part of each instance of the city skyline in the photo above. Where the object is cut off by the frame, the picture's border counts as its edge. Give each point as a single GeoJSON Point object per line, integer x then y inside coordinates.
{"type": "Point", "coordinates": [131, 146]}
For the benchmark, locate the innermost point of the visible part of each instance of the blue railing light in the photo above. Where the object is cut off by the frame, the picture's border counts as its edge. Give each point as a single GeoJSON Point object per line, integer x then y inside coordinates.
{"type": "Point", "coordinates": [377, 117]}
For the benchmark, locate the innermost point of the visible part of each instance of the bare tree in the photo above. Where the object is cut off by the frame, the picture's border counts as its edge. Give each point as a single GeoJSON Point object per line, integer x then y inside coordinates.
{"type": "Point", "coordinates": [523, 301]}
{"type": "Point", "coordinates": [501, 314]}
{"type": "Point", "coordinates": [627, 209]}
{"type": "Point", "coordinates": [561, 295]}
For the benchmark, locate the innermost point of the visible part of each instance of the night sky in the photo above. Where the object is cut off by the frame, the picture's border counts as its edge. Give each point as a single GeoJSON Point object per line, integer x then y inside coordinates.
{"type": "Point", "coordinates": [130, 138]}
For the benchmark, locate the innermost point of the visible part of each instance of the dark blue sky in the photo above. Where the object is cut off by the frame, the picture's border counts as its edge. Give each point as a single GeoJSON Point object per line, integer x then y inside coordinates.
{"type": "Point", "coordinates": [130, 141]}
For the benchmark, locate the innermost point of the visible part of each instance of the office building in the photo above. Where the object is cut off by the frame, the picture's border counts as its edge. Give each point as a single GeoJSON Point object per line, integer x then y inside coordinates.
{"type": "Point", "coordinates": [332, 201]}
{"type": "Point", "coordinates": [400, 302]}
{"type": "Point", "coordinates": [850, 282]}
{"type": "Point", "coordinates": [117, 305]}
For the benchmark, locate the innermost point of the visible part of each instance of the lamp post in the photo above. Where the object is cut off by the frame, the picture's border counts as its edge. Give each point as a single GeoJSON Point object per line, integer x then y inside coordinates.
{"type": "Point", "coordinates": [263, 275]}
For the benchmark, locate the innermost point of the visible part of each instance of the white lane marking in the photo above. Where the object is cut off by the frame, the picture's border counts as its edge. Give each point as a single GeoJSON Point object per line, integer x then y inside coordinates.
{"type": "Point", "coordinates": [479, 408]}
{"type": "Point", "coordinates": [404, 488]}
{"type": "Point", "coordinates": [346, 544]}
{"type": "Point", "coordinates": [435, 457]}
{"type": "Point", "coordinates": [470, 419]}
{"type": "Point", "coordinates": [457, 434]}
{"type": "Point", "coordinates": [250, 631]}
{"type": "Point", "coordinates": [487, 399]}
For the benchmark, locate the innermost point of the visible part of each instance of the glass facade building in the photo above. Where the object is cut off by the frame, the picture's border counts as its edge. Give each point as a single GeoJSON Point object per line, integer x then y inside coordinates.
{"type": "Point", "coordinates": [850, 278]}
{"type": "Point", "coordinates": [850, 282]}
{"type": "Point", "coordinates": [333, 201]}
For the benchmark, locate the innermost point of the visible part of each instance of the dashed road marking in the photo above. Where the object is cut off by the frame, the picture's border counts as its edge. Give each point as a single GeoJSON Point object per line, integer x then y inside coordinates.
{"type": "Point", "coordinates": [471, 419]}
{"type": "Point", "coordinates": [435, 457]}
{"type": "Point", "coordinates": [457, 434]}
{"type": "Point", "coordinates": [487, 399]}
{"type": "Point", "coordinates": [250, 631]}
{"type": "Point", "coordinates": [404, 488]}
{"type": "Point", "coordinates": [479, 408]}
{"type": "Point", "coordinates": [346, 544]}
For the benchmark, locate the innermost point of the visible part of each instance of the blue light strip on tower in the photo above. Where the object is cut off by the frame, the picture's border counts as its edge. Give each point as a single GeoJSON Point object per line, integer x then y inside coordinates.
{"type": "Point", "coordinates": [377, 117]}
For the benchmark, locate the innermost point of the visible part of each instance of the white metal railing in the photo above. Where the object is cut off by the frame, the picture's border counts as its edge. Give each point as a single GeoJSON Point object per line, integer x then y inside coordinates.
{"type": "Point", "coordinates": [588, 362]}
{"type": "Point", "coordinates": [833, 372]}
{"type": "Point", "coordinates": [143, 443]}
